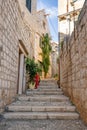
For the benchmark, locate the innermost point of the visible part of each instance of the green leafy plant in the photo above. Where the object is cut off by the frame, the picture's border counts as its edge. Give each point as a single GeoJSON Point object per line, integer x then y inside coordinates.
{"type": "Point", "coordinates": [46, 49]}
{"type": "Point", "coordinates": [32, 68]}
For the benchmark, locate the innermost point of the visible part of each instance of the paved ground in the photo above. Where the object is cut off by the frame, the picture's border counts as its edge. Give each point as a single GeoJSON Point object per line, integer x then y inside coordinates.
{"type": "Point", "coordinates": [42, 125]}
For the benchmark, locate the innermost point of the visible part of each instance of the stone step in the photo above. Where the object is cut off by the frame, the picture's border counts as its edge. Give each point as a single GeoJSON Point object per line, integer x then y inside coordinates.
{"type": "Point", "coordinates": [40, 108]}
{"type": "Point", "coordinates": [45, 90]}
{"type": "Point", "coordinates": [46, 102]}
{"type": "Point", "coordinates": [32, 103]}
{"type": "Point", "coordinates": [48, 80]}
{"type": "Point", "coordinates": [43, 93]}
{"type": "Point", "coordinates": [41, 115]}
{"type": "Point", "coordinates": [44, 98]}
{"type": "Point", "coordinates": [48, 85]}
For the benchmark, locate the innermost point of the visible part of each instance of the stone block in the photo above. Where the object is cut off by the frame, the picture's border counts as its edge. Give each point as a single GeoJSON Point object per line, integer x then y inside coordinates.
{"type": "Point", "coordinates": [75, 86]}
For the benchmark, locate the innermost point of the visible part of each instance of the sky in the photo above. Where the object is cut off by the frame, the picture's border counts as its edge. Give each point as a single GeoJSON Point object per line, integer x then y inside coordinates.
{"type": "Point", "coordinates": [51, 7]}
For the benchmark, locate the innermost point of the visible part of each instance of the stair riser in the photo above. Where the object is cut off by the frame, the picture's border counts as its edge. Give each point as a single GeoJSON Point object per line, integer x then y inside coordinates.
{"type": "Point", "coordinates": [43, 116]}
{"type": "Point", "coordinates": [27, 103]}
{"type": "Point", "coordinates": [42, 109]}
{"type": "Point", "coordinates": [44, 93]}
{"type": "Point", "coordinates": [46, 90]}
{"type": "Point", "coordinates": [48, 81]}
{"type": "Point", "coordinates": [43, 99]}
{"type": "Point", "coordinates": [47, 84]}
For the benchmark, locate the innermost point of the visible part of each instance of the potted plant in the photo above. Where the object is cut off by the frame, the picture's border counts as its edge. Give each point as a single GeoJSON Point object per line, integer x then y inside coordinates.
{"type": "Point", "coordinates": [31, 68]}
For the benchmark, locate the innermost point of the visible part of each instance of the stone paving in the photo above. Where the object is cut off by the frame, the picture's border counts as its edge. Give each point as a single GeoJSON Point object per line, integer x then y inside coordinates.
{"type": "Point", "coordinates": [38, 124]}
{"type": "Point", "coordinates": [42, 125]}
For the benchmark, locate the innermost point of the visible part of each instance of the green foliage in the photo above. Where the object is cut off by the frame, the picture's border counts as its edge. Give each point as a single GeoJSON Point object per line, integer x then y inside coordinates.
{"type": "Point", "coordinates": [32, 68]}
{"type": "Point", "coordinates": [46, 49]}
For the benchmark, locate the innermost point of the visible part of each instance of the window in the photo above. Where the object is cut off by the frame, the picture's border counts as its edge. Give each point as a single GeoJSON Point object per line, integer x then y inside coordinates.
{"type": "Point", "coordinates": [28, 4]}
{"type": "Point", "coordinates": [44, 25]}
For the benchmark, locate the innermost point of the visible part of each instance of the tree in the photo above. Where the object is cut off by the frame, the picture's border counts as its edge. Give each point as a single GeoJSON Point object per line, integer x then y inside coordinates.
{"type": "Point", "coordinates": [46, 49]}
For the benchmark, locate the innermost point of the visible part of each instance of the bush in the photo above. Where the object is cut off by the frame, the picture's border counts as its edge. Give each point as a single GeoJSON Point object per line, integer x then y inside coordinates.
{"type": "Point", "coordinates": [32, 68]}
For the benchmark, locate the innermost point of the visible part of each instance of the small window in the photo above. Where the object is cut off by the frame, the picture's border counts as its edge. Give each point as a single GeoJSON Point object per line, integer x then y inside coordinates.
{"type": "Point", "coordinates": [28, 4]}
{"type": "Point", "coordinates": [44, 25]}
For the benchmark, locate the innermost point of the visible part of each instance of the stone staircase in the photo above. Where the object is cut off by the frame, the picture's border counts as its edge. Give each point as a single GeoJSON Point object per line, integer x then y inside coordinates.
{"type": "Point", "coordinates": [46, 102]}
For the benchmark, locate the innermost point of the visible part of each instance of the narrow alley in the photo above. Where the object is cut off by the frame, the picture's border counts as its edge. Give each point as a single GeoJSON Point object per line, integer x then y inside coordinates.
{"type": "Point", "coordinates": [43, 64]}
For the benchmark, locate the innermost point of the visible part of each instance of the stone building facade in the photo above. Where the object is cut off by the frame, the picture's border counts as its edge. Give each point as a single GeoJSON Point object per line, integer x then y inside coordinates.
{"type": "Point", "coordinates": [54, 58]}
{"type": "Point", "coordinates": [68, 14]}
{"type": "Point", "coordinates": [73, 65]}
{"type": "Point", "coordinates": [18, 28]}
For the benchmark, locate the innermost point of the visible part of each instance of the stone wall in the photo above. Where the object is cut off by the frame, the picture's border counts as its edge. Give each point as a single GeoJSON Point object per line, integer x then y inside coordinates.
{"type": "Point", "coordinates": [18, 28]}
{"type": "Point", "coordinates": [73, 65]}
{"type": "Point", "coordinates": [54, 57]}
{"type": "Point", "coordinates": [12, 30]}
{"type": "Point", "coordinates": [8, 51]}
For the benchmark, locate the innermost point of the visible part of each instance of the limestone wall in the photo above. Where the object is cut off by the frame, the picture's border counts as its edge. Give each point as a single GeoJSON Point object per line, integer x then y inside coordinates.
{"type": "Point", "coordinates": [18, 28]}
{"type": "Point", "coordinates": [12, 31]}
{"type": "Point", "coordinates": [73, 65]}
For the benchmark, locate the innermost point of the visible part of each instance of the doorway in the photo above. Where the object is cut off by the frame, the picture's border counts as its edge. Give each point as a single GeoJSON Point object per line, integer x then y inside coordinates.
{"type": "Point", "coordinates": [20, 72]}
